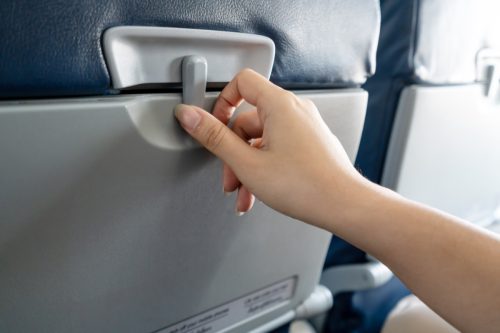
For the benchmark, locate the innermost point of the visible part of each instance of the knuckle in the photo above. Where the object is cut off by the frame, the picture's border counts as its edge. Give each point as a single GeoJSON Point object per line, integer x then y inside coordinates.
{"type": "Point", "coordinates": [308, 105]}
{"type": "Point", "coordinates": [245, 72]}
{"type": "Point", "coordinates": [214, 136]}
{"type": "Point", "coordinates": [285, 96]}
{"type": "Point", "coordinates": [288, 95]}
{"type": "Point", "coordinates": [292, 100]}
{"type": "Point", "coordinates": [244, 75]}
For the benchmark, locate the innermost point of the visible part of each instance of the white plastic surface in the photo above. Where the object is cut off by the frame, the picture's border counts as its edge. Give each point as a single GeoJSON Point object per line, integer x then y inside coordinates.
{"type": "Point", "coordinates": [355, 277]}
{"type": "Point", "coordinates": [320, 301]}
{"type": "Point", "coordinates": [146, 55]}
{"type": "Point", "coordinates": [448, 35]}
{"type": "Point", "coordinates": [445, 150]}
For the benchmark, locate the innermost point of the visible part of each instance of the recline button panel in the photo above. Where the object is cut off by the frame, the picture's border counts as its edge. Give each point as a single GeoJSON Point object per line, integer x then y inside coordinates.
{"type": "Point", "coordinates": [138, 55]}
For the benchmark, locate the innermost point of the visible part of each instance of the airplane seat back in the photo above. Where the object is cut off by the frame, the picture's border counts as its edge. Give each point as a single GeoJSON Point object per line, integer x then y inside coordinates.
{"type": "Point", "coordinates": [431, 131]}
{"type": "Point", "coordinates": [444, 147]}
{"type": "Point", "coordinates": [111, 218]}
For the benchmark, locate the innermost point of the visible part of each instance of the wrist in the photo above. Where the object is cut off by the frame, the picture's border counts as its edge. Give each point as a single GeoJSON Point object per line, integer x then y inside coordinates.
{"type": "Point", "coordinates": [357, 207]}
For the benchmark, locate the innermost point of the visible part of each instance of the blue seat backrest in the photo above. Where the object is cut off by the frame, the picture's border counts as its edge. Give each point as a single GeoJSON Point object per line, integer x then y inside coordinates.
{"type": "Point", "coordinates": [53, 48]}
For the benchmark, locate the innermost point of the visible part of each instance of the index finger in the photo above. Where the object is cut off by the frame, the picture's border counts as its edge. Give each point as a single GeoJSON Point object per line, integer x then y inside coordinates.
{"type": "Point", "coordinates": [247, 85]}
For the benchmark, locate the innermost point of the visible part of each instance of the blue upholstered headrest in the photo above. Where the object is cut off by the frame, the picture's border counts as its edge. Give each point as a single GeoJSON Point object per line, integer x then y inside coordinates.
{"type": "Point", "coordinates": [53, 48]}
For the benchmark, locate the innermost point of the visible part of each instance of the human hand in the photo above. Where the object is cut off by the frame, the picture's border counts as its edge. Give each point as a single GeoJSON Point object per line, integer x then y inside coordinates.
{"type": "Point", "coordinates": [281, 151]}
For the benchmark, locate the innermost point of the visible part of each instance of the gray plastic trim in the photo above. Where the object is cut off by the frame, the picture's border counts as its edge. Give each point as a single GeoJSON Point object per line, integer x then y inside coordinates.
{"type": "Point", "coordinates": [194, 80]}
{"type": "Point", "coordinates": [138, 55]}
{"type": "Point", "coordinates": [399, 137]}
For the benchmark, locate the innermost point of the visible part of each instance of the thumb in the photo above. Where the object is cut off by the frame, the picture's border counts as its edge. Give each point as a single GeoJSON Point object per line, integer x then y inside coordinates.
{"type": "Point", "coordinates": [213, 134]}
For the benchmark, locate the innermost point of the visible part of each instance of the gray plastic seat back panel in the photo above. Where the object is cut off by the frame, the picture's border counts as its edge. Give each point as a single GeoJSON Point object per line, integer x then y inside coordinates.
{"type": "Point", "coordinates": [444, 146]}
{"type": "Point", "coordinates": [101, 230]}
{"type": "Point", "coordinates": [445, 151]}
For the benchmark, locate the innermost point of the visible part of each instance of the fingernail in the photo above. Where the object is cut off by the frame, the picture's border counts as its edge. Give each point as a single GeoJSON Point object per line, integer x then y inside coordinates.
{"type": "Point", "coordinates": [225, 192]}
{"type": "Point", "coordinates": [187, 116]}
{"type": "Point", "coordinates": [238, 213]}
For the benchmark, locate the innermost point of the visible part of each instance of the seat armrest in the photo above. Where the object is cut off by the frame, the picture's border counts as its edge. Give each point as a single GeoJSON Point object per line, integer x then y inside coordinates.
{"type": "Point", "coordinates": [355, 277]}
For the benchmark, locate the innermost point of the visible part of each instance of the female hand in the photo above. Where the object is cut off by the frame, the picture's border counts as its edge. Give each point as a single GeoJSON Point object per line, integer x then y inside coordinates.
{"type": "Point", "coordinates": [281, 151]}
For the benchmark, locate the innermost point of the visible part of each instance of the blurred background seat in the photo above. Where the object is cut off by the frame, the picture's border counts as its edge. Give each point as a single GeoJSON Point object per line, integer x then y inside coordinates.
{"type": "Point", "coordinates": [431, 131]}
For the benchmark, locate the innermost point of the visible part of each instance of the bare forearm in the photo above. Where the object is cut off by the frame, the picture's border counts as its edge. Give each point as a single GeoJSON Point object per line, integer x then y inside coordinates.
{"type": "Point", "coordinates": [451, 265]}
